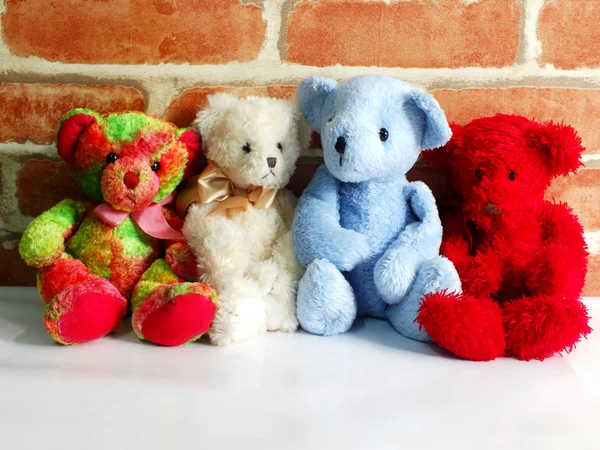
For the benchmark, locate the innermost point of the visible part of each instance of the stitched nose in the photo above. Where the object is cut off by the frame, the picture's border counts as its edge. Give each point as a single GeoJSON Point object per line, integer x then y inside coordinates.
{"type": "Point", "coordinates": [340, 145]}
{"type": "Point", "coordinates": [491, 210]}
{"type": "Point", "coordinates": [131, 180]}
{"type": "Point", "coordinates": [271, 162]}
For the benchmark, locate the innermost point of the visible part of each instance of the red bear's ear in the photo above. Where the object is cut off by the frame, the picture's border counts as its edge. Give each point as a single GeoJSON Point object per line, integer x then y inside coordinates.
{"type": "Point", "coordinates": [69, 133]}
{"type": "Point", "coordinates": [196, 160]}
{"type": "Point", "coordinates": [440, 157]}
{"type": "Point", "coordinates": [560, 147]}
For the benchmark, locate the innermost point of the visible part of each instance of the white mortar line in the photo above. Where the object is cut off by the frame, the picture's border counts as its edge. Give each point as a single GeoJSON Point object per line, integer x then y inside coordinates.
{"type": "Point", "coordinates": [592, 238]}
{"type": "Point", "coordinates": [35, 70]}
{"type": "Point", "coordinates": [531, 45]}
{"type": "Point", "coordinates": [272, 17]}
{"type": "Point", "coordinates": [26, 149]}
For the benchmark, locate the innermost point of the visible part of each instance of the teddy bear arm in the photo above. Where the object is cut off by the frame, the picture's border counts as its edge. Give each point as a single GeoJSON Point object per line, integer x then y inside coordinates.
{"type": "Point", "coordinates": [317, 233]}
{"type": "Point", "coordinates": [182, 261]}
{"type": "Point", "coordinates": [564, 255]}
{"type": "Point", "coordinates": [43, 241]}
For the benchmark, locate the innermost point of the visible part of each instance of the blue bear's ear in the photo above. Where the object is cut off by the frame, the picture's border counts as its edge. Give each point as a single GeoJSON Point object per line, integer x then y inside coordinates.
{"type": "Point", "coordinates": [312, 94]}
{"type": "Point", "coordinates": [437, 131]}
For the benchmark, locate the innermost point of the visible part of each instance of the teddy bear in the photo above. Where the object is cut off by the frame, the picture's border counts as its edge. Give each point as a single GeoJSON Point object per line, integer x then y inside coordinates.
{"type": "Point", "coordinates": [522, 259]}
{"type": "Point", "coordinates": [239, 214]}
{"type": "Point", "coordinates": [125, 244]}
{"type": "Point", "coordinates": [369, 239]}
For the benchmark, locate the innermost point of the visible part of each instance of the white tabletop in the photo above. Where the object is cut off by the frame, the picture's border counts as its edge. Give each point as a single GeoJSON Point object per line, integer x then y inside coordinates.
{"type": "Point", "coordinates": [367, 389]}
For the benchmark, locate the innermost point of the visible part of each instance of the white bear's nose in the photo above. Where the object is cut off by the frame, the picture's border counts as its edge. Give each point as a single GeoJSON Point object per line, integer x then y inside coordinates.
{"type": "Point", "coordinates": [271, 162]}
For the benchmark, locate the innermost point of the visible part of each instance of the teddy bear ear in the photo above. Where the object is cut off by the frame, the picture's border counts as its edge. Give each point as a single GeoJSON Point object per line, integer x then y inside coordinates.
{"type": "Point", "coordinates": [196, 160]}
{"type": "Point", "coordinates": [209, 117]}
{"type": "Point", "coordinates": [69, 132]}
{"type": "Point", "coordinates": [441, 157]}
{"type": "Point", "coordinates": [436, 131]}
{"type": "Point", "coordinates": [560, 147]}
{"type": "Point", "coordinates": [312, 95]}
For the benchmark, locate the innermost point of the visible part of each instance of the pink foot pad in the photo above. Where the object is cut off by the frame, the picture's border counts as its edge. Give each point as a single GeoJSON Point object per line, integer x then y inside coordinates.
{"type": "Point", "coordinates": [84, 312]}
{"type": "Point", "coordinates": [183, 319]}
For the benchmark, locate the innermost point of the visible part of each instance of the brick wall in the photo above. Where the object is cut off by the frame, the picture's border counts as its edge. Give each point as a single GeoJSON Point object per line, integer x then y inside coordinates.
{"type": "Point", "coordinates": [539, 58]}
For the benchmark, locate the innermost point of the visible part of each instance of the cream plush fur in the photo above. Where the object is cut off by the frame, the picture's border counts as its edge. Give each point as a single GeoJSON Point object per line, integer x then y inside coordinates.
{"type": "Point", "coordinates": [248, 258]}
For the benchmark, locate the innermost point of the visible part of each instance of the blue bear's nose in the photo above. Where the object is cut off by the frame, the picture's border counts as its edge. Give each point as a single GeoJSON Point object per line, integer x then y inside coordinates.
{"type": "Point", "coordinates": [340, 145]}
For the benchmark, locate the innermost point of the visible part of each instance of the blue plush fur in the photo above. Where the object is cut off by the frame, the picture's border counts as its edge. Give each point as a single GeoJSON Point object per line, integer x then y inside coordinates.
{"type": "Point", "coordinates": [369, 239]}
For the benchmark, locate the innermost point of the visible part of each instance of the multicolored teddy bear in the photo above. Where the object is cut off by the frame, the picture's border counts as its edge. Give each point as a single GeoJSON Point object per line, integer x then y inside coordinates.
{"type": "Point", "coordinates": [95, 257]}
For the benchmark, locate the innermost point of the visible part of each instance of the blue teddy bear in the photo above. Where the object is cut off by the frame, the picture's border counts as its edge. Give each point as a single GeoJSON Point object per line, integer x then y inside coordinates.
{"type": "Point", "coordinates": [368, 238]}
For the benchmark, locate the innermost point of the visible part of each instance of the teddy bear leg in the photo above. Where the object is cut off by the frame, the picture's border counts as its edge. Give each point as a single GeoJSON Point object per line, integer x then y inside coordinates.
{"type": "Point", "coordinates": [435, 275]}
{"type": "Point", "coordinates": [540, 326]}
{"type": "Point", "coordinates": [241, 313]}
{"type": "Point", "coordinates": [325, 303]}
{"type": "Point", "coordinates": [469, 327]}
{"type": "Point", "coordinates": [169, 312]}
{"type": "Point", "coordinates": [280, 304]}
{"type": "Point", "coordinates": [84, 306]}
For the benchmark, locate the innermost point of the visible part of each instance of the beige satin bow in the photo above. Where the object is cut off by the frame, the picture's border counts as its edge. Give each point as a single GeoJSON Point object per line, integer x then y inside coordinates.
{"type": "Point", "coordinates": [213, 186]}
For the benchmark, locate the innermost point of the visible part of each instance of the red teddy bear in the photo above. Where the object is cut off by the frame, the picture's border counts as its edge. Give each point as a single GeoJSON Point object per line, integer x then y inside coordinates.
{"type": "Point", "coordinates": [522, 260]}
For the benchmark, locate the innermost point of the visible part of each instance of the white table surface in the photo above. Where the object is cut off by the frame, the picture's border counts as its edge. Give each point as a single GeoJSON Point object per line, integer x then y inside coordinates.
{"type": "Point", "coordinates": [367, 389]}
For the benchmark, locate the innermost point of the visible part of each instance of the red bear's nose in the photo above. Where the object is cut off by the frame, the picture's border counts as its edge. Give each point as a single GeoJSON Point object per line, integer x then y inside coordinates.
{"type": "Point", "coordinates": [131, 180]}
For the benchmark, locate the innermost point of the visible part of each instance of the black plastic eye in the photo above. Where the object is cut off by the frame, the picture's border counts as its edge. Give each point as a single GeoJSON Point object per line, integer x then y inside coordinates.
{"type": "Point", "coordinates": [155, 166]}
{"type": "Point", "coordinates": [512, 175]}
{"type": "Point", "coordinates": [478, 173]}
{"type": "Point", "coordinates": [330, 120]}
{"type": "Point", "coordinates": [279, 146]}
{"type": "Point", "coordinates": [246, 148]}
{"type": "Point", "coordinates": [383, 135]}
{"type": "Point", "coordinates": [111, 158]}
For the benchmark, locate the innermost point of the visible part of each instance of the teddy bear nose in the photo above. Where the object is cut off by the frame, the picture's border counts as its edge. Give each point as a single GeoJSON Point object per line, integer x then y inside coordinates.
{"type": "Point", "coordinates": [491, 209]}
{"type": "Point", "coordinates": [340, 145]}
{"type": "Point", "coordinates": [271, 162]}
{"type": "Point", "coordinates": [131, 180]}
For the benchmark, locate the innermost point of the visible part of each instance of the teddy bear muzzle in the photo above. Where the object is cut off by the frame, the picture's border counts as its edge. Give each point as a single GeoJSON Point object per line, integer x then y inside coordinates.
{"type": "Point", "coordinates": [129, 184]}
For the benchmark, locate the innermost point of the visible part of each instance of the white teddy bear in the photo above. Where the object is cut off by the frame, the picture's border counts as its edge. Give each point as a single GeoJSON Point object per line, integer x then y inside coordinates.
{"type": "Point", "coordinates": [240, 217]}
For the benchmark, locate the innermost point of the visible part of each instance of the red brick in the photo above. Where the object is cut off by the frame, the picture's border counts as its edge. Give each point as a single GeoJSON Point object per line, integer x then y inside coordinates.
{"type": "Point", "coordinates": [410, 33]}
{"type": "Point", "coordinates": [42, 184]}
{"type": "Point", "coordinates": [135, 31]}
{"type": "Point", "coordinates": [13, 271]}
{"type": "Point", "coordinates": [592, 282]}
{"type": "Point", "coordinates": [569, 34]}
{"type": "Point", "coordinates": [182, 111]}
{"type": "Point", "coordinates": [577, 107]}
{"type": "Point", "coordinates": [581, 191]}
{"type": "Point", "coordinates": [32, 111]}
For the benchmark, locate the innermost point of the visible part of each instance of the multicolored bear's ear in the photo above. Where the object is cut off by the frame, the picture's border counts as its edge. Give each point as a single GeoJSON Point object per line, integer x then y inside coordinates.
{"type": "Point", "coordinates": [560, 147]}
{"type": "Point", "coordinates": [69, 133]}
{"type": "Point", "coordinates": [193, 143]}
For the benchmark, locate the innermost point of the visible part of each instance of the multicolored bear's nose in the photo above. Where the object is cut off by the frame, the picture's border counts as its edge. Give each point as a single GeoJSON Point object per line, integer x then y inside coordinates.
{"type": "Point", "coordinates": [131, 180]}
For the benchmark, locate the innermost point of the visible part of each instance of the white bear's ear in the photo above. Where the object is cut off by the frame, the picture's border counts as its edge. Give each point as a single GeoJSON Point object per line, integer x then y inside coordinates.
{"type": "Point", "coordinates": [436, 131]}
{"type": "Point", "coordinates": [209, 117]}
{"type": "Point", "coordinates": [312, 95]}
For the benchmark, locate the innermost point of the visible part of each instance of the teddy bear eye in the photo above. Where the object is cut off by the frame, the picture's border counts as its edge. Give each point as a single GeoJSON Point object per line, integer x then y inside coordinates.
{"type": "Point", "coordinates": [383, 135]}
{"type": "Point", "coordinates": [279, 146]}
{"type": "Point", "coordinates": [512, 175]}
{"type": "Point", "coordinates": [478, 173]}
{"type": "Point", "coordinates": [246, 148]}
{"type": "Point", "coordinates": [111, 158]}
{"type": "Point", "coordinates": [155, 166]}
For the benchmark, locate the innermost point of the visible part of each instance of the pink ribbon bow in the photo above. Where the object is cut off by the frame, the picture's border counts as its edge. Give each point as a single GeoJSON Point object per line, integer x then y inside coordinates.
{"type": "Point", "coordinates": [151, 219]}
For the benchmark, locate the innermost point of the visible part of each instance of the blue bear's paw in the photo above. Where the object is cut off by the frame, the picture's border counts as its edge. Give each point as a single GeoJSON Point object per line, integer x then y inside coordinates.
{"type": "Point", "coordinates": [437, 274]}
{"type": "Point", "coordinates": [347, 249]}
{"type": "Point", "coordinates": [395, 272]}
{"type": "Point", "coordinates": [326, 303]}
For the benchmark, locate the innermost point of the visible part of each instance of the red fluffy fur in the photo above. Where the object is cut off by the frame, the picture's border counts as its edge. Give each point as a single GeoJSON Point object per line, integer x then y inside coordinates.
{"type": "Point", "coordinates": [522, 260]}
